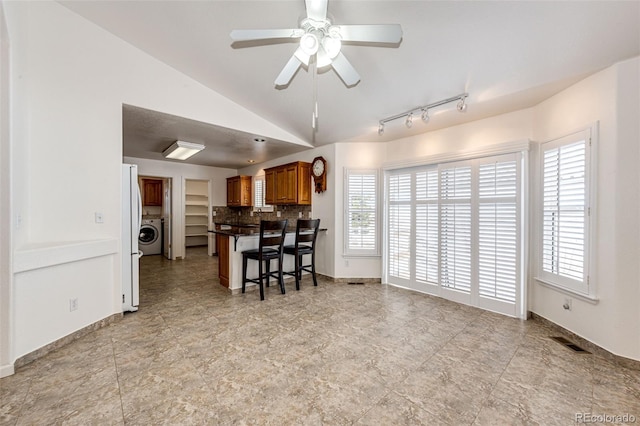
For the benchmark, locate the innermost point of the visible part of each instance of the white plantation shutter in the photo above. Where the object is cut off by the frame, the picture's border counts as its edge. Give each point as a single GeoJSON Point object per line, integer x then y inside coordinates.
{"type": "Point", "coordinates": [258, 195]}
{"type": "Point", "coordinates": [399, 241]}
{"type": "Point", "coordinates": [498, 217]}
{"type": "Point", "coordinates": [453, 230]}
{"type": "Point", "coordinates": [426, 226]}
{"type": "Point", "coordinates": [399, 226]}
{"type": "Point", "coordinates": [455, 227]}
{"type": "Point", "coordinates": [361, 215]}
{"type": "Point", "coordinates": [565, 164]}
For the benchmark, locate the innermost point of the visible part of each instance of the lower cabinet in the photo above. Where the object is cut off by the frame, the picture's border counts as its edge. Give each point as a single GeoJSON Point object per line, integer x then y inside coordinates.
{"type": "Point", "coordinates": [222, 244]}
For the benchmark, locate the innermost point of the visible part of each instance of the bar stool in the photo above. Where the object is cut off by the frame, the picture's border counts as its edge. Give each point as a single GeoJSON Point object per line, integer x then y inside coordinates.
{"type": "Point", "coordinates": [306, 232]}
{"type": "Point", "coordinates": [272, 233]}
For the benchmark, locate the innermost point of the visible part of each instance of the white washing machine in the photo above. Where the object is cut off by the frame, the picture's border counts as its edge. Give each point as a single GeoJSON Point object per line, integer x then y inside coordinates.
{"type": "Point", "coordinates": [150, 239]}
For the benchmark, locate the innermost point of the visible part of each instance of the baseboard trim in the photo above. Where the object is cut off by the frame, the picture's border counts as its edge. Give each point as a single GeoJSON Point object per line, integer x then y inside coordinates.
{"type": "Point", "coordinates": [588, 345]}
{"type": "Point", "coordinates": [40, 352]}
{"type": "Point", "coordinates": [351, 280]}
{"type": "Point", "coordinates": [6, 370]}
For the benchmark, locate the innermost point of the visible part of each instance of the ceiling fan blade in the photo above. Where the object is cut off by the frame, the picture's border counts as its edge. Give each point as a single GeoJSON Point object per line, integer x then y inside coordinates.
{"type": "Point", "coordinates": [288, 71]}
{"type": "Point", "coordinates": [316, 9]}
{"type": "Point", "coordinates": [375, 33]}
{"type": "Point", "coordinates": [345, 70]}
{"type": "Point", "coordinates": [244, 35]}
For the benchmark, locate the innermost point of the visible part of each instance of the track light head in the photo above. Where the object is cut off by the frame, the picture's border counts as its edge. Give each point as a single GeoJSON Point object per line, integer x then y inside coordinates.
{"type": "Point", "coordinates": [381, 129]}
{"type": "Point", "coordinates": [409, 121]}
{"type": "Point", "coordinates": [425, 115]}
{"type": "Point", "coordinates": [462, 106]}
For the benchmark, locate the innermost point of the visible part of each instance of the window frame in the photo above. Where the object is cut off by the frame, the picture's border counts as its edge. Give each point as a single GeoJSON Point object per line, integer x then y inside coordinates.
{"type": "Point", "coordinates": [586, 288]}
{"type": "Point", "coordinates": [376, 251]}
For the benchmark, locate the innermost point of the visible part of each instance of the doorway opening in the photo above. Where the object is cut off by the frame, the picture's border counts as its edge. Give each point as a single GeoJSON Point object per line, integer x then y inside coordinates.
{"type": "Point", "coordinates": [196, 213]}
{"type": "Point", "coordinates": [157, 217]}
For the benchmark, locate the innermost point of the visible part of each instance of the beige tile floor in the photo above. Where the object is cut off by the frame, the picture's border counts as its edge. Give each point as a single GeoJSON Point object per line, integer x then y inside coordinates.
{"type": "Point", "coordinates": [335, 354]}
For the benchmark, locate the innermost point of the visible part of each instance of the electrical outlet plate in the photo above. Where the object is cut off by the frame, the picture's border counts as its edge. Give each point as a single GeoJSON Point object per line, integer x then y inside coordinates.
{"type": "Point", "coordinates": [73, 305]}
{"type": "Point", "coordinates": [567, 305]}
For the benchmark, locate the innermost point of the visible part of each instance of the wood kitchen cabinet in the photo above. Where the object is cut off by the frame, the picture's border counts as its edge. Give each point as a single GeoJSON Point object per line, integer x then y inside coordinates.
{"type": "Point", "coordinates": [222, 244]}
{"type": "Point", "coordinates": [152, 192]}
{"type": "Point", "coordinates": [288, 184]}
{"type": "Point", "coordinates": [239, 191]}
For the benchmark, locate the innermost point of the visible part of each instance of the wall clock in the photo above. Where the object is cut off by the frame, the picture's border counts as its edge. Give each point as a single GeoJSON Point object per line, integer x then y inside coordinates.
{"type": "Point", "coordinates": [319, 172]}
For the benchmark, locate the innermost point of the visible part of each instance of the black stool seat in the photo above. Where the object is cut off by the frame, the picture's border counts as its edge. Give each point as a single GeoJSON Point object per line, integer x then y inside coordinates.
{"type": "Point", "coordinates": [270, 247]}
{"type": "Point", "coordinates": [306, 232]}
{"type": "Point", "coordinates": [256, 252]}
{"type": "Point", "coordinates": [290, 249]}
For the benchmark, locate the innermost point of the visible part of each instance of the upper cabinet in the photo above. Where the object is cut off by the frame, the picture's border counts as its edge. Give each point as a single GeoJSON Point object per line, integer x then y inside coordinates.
{"type": "Point", "coordinates": [288, 184]}
{"type": "Point", "coordinates": [152, 192]}
{"type": "Point", "coordinates": [239, 191]}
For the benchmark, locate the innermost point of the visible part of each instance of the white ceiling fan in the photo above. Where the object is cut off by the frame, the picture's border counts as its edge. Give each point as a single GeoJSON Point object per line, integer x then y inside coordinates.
{"type": "Point", "coordinates": [321, 40]}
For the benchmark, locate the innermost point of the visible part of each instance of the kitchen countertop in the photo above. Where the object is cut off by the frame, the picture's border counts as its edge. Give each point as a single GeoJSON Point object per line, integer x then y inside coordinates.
{"type": "Point", "coordinates": [247, 230]}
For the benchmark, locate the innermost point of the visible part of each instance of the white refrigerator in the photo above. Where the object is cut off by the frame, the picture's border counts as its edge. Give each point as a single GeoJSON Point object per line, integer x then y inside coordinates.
{"type": "Point", "coordinates": [131, 221]}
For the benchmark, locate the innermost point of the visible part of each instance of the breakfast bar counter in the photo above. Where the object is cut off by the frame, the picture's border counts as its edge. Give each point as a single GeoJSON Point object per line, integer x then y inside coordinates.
{"type": "Point", "coordinates": [231, 241]}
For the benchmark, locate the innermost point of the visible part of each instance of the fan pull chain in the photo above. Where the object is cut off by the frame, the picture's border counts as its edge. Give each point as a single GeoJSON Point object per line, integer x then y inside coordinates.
{"type": "Point", "coordinates": [314, 113]}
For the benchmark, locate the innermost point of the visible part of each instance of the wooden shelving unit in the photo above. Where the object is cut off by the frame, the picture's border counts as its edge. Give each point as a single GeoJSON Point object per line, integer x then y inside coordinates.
{"type": "Point", "coordinates": [196, 212]}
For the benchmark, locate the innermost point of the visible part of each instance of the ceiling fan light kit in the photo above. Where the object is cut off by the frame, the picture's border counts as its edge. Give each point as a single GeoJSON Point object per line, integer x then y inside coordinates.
{"type": "Point", "coordinates": [321, 40]}
{"type": "Point", "coordinates": [461, 106]}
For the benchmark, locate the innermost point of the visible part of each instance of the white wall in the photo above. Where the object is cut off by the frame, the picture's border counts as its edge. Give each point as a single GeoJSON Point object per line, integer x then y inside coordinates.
{"type": "Point", "coordinates": [69, 79]}
{"type": "Point", "coordinates": [178, 173]}
{"type": "Point", "coordinates": [5, 201]}
{"type": "Point", "coordinates": [473, 136]}
{"type": "Point", "coordinates": [612, 98]}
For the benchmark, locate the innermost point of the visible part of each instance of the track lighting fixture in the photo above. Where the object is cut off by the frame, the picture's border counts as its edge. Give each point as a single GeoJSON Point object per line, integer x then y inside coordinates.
{"type": "Point", "coordinates": [462, 106]}
{"type": "Point", "coordinates": [409, 121]}
{"type": "Point", "coordinates": [425, 115]}
{"type": "Point", "coordinates": [424, 111]}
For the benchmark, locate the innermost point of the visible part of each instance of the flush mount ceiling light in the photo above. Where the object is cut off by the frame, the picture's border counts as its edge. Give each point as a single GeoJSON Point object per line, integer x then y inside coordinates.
{"type": "Point", "coordinates": [424, 111]}
{"type": "Point", "coordinates": [180, 150]}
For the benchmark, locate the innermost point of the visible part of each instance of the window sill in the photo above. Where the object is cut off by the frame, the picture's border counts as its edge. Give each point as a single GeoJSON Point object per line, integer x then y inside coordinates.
{"type": "Point", "coordinates": [360, 256]}
{"type": "Point", "coordinates": [263, 209]}
{"type": "Point", "coordinates": [585, 297]}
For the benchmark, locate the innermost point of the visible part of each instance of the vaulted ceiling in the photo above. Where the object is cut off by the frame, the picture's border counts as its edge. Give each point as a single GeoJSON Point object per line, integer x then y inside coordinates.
{"type": "Point", "coordinates": [506, 55]}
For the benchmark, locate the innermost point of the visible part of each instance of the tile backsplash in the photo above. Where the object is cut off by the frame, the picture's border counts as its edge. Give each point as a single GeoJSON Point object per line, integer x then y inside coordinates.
{"type": "Point", "coordinates": [242, 215]}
